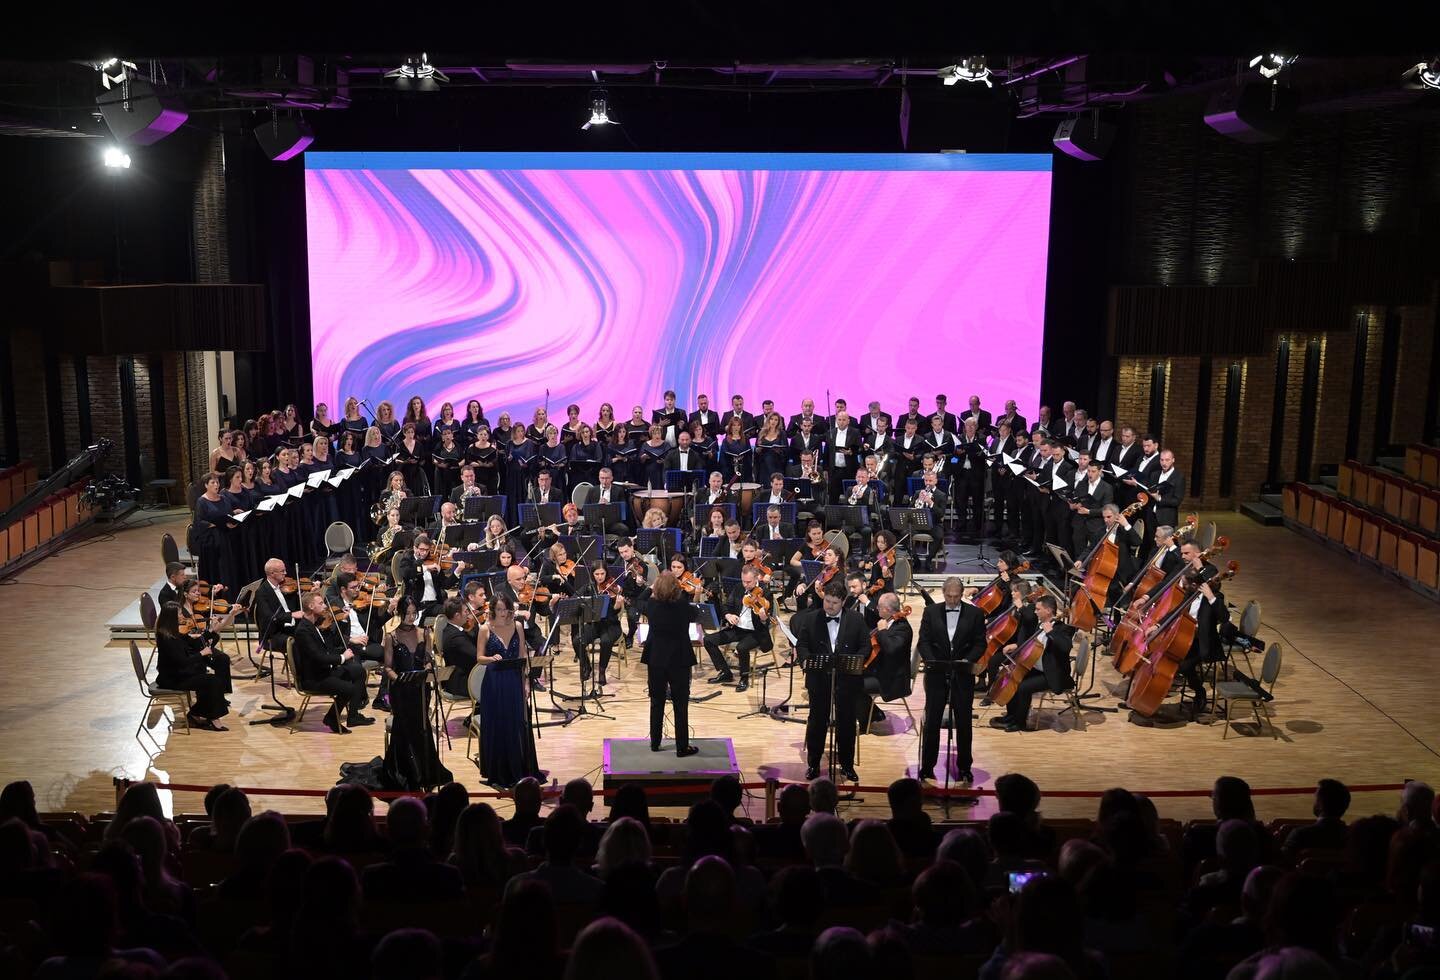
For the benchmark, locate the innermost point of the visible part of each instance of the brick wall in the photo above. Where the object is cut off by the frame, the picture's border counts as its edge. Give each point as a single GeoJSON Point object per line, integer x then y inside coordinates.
{"type": "Point", "coordinates": [1132, 393]}
{"type": "Point", "coordinates": [185, 381]}
{"type": "Point", "coordinates": [106, 419]}
{"type": "Point", "coordinates": [1252, 440]}
{"type": "Point", "coordinates": [1412, 377]}
{"type": "Point", "coordinates": [1332, 404]}
{"type": "Point", "coordinates": [1370, 394]}
{"type": "Point", "coordinates": [1182, 379]}
{"type": "Point", "coordinates": [68, 397]}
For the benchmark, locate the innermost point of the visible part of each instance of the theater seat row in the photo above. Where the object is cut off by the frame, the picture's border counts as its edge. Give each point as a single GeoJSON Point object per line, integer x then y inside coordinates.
{"type": "Point", "coordinates": [1387, 544]}
{"type": "Point", "coordinates": [48, 519]}
{"type": "Point", "coordinates": [1422, 463]}
{"type": "Point", "coordinates": [1386, 492]}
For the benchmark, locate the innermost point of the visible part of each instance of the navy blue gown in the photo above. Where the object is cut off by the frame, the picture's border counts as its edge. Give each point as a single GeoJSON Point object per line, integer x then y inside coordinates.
{"type": "Point", "coordinates": [507, 744]}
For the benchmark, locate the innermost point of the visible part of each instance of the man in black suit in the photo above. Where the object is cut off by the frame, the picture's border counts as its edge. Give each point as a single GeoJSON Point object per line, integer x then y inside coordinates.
{"type": "Point", "coordinates": [1053, 514]}
{"type": "Point", "coordinates": [870, 424]}
{"type": "Point", "coordinates": [1142, 480]}
{"type": "Point", "coordinates": [174, 587]}
{"type": "Point", "coordinates": [888, 677]}
{"type": "Point", "coordinates": [325, 666]}
{"type": "Point", "coordinates": [748, 425]}
{"type": "Point", "coordinates": [981, 417]}
{"type": "Point", "coordinates": [275, 611]}
{"type": "Point", "coordinates": [1093, 495]}
{"type": "Point", "coordinates": [607, 491]}
{"type": "Point", "coordinates": [931, 498]}
{"type": "Point", "coordinates": [912, 414]}
{"type": "Point", "coordinates": [425, 585]}
{"type": "Point", "coordinates": [809, 470]}
{"type": "Point", "coordinates": [683, 457]}
{"type": "Point", "coordinates": [467, 487]}
{"type": "Point", "coordinates": [836, 633]}
{"type": "Point", "coordinates": [865, 493]}
{"type": "Point", "coordinates": [807, 437]}
{"type": "Point", "coordinates": [969, 478]}
{"type": "Point", "coordinates": [1018, 492]}
{"type": "Point", "coordinates": [362, 628]}
{"type": "Point", "coordinates": [806, 414]}
{"type": "Point", "coordinates": [952, 640]}
{"type": "Point", "coordinates": [842, 451]}
{"type": "Point", "coordinates": [708, 419]}
{"type": "Point", "coordinates": [1169, 487]}
{"type": "Point", "coordinates": [671, 418]}
{"type": "Point", "coordinates": [457, 647]}
{"type": "Point", "coordinates": [1105, 448]}
{"type": "Point", "coordinates": [748, 629]}
{"type": "Point", "coordinates": [1115, 527]}
{"type": "Point", "coordinates": [773, 529]}
{"type": "Point", "coordinates": [1054, 674]}
{"type": "Point", "coordinates": [1016, 420]}
{"type": "Point", "coordinates": [410, 872]}
{"type": "Point", "coordinates": [1210, 612]}
{"type": "Point", "coordinates": [947, 420]}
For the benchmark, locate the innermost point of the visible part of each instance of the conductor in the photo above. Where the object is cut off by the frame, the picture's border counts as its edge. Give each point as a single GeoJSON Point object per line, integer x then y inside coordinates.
{"type": "Point", "coordinates": [837, 632]}
{"type": "Point", "coordinates": [952, 639]}
{"type": "Point", "coordinates": [668, 658]}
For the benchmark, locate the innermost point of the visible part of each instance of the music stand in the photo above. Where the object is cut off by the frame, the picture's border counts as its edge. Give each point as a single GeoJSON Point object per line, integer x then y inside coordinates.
{"type": "Point", "coordinates": [664, 542]}
{"type": "Point", "coordinates": [707, 619]}
{"type": "Point", "coordinates": [780, 549]}
{"type": "Point", "coordinates": [684, 481]}
{"type": "Point", "coordinates": [602, 517]}
{"type": "Point", "coordinates": [572, 612]}
{"type": "Point", "coordinates": [417, 510]}
{"type": "Point", "coordinates": [843, 515]}
{"type": "Point", "coordinates": [535, 516]}
{"type": "Point", "coordinates": [483, 508]}
{"type": "Point", "coordinates": [758, 511]}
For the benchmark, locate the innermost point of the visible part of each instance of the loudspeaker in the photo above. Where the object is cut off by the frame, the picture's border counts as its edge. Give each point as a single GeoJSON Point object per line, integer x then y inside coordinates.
{"type": "Point", "coordinates": [146, 117]}
{"type": "Point", "coordinates": [1259, 112]}
{"type": "Point", "coordinates": [1084, 138]}
{"type": "Point", "coordinates": [284, 136]}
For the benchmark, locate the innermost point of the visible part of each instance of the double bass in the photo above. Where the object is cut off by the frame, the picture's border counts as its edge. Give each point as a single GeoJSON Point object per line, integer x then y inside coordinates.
{"type": "Point", "coordinates": [1150, 575]}
{"type": "Point", "coordinates": [1146, 611]}
{"type": "Point", "coordinates": [993, 594]}
{"type": "Point", "coordinates": [1161, 653]}
{"type": "Point", "coordinates": [1100, 567]}
{"type": "Point", "coordinates": [1017, 665]}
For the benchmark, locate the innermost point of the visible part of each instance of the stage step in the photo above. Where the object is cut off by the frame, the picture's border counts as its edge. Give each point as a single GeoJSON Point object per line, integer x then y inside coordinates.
{"type": "Point", "coordinates": [1263, 513]}
{"type": "Point", "coordinates": [1273, 499]}
{"type": "Point", "coordinates": [1332, 481]}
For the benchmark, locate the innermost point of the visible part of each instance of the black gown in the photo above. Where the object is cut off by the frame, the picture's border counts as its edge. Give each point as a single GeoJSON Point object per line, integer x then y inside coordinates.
{"type": "Point", "coordinates": [208, 539]}
{"type": "Point", "coordinates": [585, 462]}
{"type": "Point", "coordinates": [519, 471]}
{"type": "Point", "coordinates": [554, 460]}
{"type": "Point", "coordinates": [487, 467]}
{"type": "Point", "coordinates": [179, 666]}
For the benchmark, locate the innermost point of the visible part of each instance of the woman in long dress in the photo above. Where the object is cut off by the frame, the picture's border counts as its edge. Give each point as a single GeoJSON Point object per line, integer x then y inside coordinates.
{"type": "Point", "coordinates": [507, 743]}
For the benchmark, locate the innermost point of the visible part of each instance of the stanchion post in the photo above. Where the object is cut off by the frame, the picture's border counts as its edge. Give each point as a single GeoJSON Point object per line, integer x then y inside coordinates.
{"type": "Point", "coordinates": [121, 785]}
{"type": "Point", "coordinates": [771, 785]}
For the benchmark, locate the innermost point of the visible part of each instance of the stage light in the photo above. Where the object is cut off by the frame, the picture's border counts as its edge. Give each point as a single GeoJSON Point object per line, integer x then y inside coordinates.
{"type": "Point", "coordinates": [971, 69]}
{"type": "Point", "coordinates": [1424, 75]}
{"type": "Point", "coordinates": [116, 158]}
{"type": "Point", "coordinates": [599, 110]}
{"type": "Point", "coordinates": [113, 70]}
{"type": "Point", "coordinates": [1271, 65]}
{"type": "Point", "coordinates": [418, 73]}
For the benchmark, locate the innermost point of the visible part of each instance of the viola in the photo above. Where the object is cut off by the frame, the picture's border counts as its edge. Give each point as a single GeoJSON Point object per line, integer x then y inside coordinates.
{"type": "Point", "coordinates": [902, 613]}
{"type": "Point", "coordinates": [756, 600]}
{"type": "Point", "coordinates": [1161, 652]}
{"type": "Point", "coordinates": [565, 568]}
{"type": "Point", "coordinates": [993, 594]}
{"type": "Point", "coordinates": [1100, 567]}
{"type": "Point", "coordinates": [759, 566]}
{"type": "Point", "coordinates": [692, 583]}
{"type": "Point", "coordinates": [826, 574]}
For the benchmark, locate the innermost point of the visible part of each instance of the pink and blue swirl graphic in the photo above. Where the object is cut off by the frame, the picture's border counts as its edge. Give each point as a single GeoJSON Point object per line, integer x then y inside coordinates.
{"type": "Point", "coordinates": [612, 277]}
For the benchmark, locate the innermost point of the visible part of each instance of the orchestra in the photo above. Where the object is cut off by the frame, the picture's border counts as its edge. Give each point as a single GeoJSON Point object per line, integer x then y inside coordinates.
{"type": "Point", "coordinates": [795, 524]}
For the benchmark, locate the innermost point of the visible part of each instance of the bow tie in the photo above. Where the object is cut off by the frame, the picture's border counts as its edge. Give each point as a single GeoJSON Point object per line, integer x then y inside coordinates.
{"type": "Point", "coordinates": [832, 619]}
{"type": "Point", "coordinates": [949, 610]}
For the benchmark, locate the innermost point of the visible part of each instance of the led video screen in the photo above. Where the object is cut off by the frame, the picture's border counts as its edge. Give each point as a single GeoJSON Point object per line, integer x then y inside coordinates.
{"type": "Point", "coordinates": [612, 277]}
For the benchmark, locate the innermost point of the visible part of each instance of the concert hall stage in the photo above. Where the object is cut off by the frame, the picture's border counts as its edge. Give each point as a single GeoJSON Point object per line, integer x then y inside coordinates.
{"type": "Point", "coordinates": [678, 781]}
{"type": "Point", "coordinates": [71, 706]}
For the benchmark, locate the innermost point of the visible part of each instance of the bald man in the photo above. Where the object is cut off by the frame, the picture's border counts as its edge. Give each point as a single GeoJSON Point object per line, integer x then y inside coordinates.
{"type": "Point", "coordinates": [275, 611]}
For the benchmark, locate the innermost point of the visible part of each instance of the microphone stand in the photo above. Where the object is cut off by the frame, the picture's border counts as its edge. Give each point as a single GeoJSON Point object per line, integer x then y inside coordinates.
{"type": "Point", "coordinates": [286, 713]}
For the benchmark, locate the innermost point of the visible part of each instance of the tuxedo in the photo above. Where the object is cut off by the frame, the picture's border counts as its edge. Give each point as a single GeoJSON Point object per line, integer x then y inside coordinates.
{"type": "Point", "coordinates": [689, 460]}
{"type": "Point", "coordinates": [982, 420]}
{"type": "Point", "coordinates": [710, 420]}
{"type": "Point", "coordinates": [1054, 674]}
{"type": "Point", "coordinates": [950, 423]}
{"type": "Point", "coordinates": [321, 668]}
{"type": "Point", "coordinates": [969, 481]}
{"type": "Point", "coordinates": [748, 425]}
{"type": "Point", "coordinates": [1169, 492]}
{"type": "Point", "coordinates": [764, 533]}
{"type": "Point", "coordinates": [1087, 528]}
{"type": "Point", "coordinates": [457, 647]}
{"type": "Point", "coordinates": [1052, 513]}
{"type": "Point", "coordinates": [1103, 450]}
{"type": "Point", "coordinates": [1205, 648]}
{"type": "Point", "coordinates": [817, 493]}
{"type": "Point", "coordinates": [939, 503]}
{"type": "Point", "coordinates": [889, 675]}
{"type": "Point", "coordinates": [273, 626]}
{"type": "Point", "coordinates": [814, 443]}
{"type": "Point", "coordinates": [842, 454]}
{"type": "Point", "coordinates": [815, 648]}
{"type": "Point", "coordinates": [756, 637]}
{"type": "Point", "coordinates": [868, 423]}
{"type": "Point", "coordinates": [945, 682]}
{"type": "Point", "coordinates": [551, 496]}
{"type": "Point", "coordinates": [168, 593]}
{"type": "Point", "coordinates": [1017, 422]}
{"type": "Point", "coordinates": [820, 422]}
{"type": "Point", "coordinates": [413, 578]}
{"type": "Point", "coordinates": [1126, 562]}
{"type": "Point", "coordinates": [665, 419]}
{"type": "Point", "coordinates": [1128, 459]}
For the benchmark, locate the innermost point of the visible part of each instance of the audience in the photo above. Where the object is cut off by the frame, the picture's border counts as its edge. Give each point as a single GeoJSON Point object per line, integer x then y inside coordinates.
{"type": "Point", "coordinates": [891, 898]}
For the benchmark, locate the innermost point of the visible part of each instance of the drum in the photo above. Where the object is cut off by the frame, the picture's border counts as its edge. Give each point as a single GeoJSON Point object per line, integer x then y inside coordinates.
{"type": "Point", "coordinates": [745, 494]}
{"type": "Point", "coordinates": [672, 503]}
{"type": "Point", "coordinates": [581, 493]}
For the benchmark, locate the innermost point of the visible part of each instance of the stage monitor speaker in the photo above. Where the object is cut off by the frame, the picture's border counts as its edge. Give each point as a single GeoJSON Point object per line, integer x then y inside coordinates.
{"type": "Point", "coordinates": [1259, 112]}
{"type": "Point", "coordinates": [145, 117]}
{"type": "Point", "coordinates": [1084, 138]}
{"type": "Point", "coordinates": [284, 136]}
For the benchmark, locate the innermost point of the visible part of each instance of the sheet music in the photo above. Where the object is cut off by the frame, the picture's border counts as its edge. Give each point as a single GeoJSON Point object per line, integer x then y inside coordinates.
{"type": "Point", "coordinates": [1057, 482]}
{"type": "Point", "coordinates": [1017, 468]}
{"type": "Point", "coordinates": [1118, 471]}
{"type": "Point", "coordinates": [840, 460]}
{"type": "Point", "coordinates": [240, 517]}
{"type": "Point", "coordinates": [297, 491]}
{"type": "Point", "coordinates": [317, 478]}
{"type": "Point", "coordinates": [270, 503]}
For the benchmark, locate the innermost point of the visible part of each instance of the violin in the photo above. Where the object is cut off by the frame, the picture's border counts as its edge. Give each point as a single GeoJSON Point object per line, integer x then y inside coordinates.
{"type": "Point", "coordinates": [692, 584]}
{"type": "Point", "coordinates": [902, 613]}
{"type": "Point", "coordinates": [531, 593]}
{"type": "Point", "coordinates": [756, 600]}
{"type": "Point", "coordinates": [565, 568]}
{"type": "Point", "coordinates": [289, 586]}
{"type": "Point", "coordinates": [638, 568]}
{"type": "Point", "coordinates": [826, 574]}
{"type": "Point", "coordinates": [818, 550]}
{"type": "Point", "coordinates": [442, 565]}
{"type": "Point", "coordinates": [759, 566]}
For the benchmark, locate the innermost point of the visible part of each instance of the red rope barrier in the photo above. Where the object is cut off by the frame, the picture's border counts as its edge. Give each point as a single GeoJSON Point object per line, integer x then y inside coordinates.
{"type": "Point", "coordinates": [934, 791]}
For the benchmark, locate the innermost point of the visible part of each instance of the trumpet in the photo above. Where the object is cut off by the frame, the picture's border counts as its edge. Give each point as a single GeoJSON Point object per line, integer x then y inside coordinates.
{"type": "Point", "coordinates": [856, 492]}
{"type": "Point", "coordinates": [925, 498]}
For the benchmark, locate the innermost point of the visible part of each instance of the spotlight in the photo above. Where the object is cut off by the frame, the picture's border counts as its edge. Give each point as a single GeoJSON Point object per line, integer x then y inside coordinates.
{"type": "Point", "coordinates": [599, 110]}
{"type": "Point", "coordinates": [1271, 65]}
{"type": "Point", "coordinates": [1424, 75]}
{"type": "Point", "coordinates": [418, 73]}
{"type": "Point", "coordinates": [971, 69]}
{"type": "Point", "coordinates": [113, 70]}
{"type": "Point", "coordinates": [116, 158]}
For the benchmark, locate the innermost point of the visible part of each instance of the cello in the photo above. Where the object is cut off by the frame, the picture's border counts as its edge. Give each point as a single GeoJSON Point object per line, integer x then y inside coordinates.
{"type": "Point", "coordinates": [1160, 654]}
{"type": "Point", "coordinates": [1001, 630]}
{"type": "Point", "coordinates": [1100, 567]}
{"type": "Point", "coordinates": [1146, 612]}
{"type": "Point", "coordinates": [993, 594]}
{"type": "Point", "coordinates": [1025, 659]}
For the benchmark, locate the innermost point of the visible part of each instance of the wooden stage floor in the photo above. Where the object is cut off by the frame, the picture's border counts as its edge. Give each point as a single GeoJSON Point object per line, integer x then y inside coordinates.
{"type": "Point", "coordinates": [1356, 701]}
